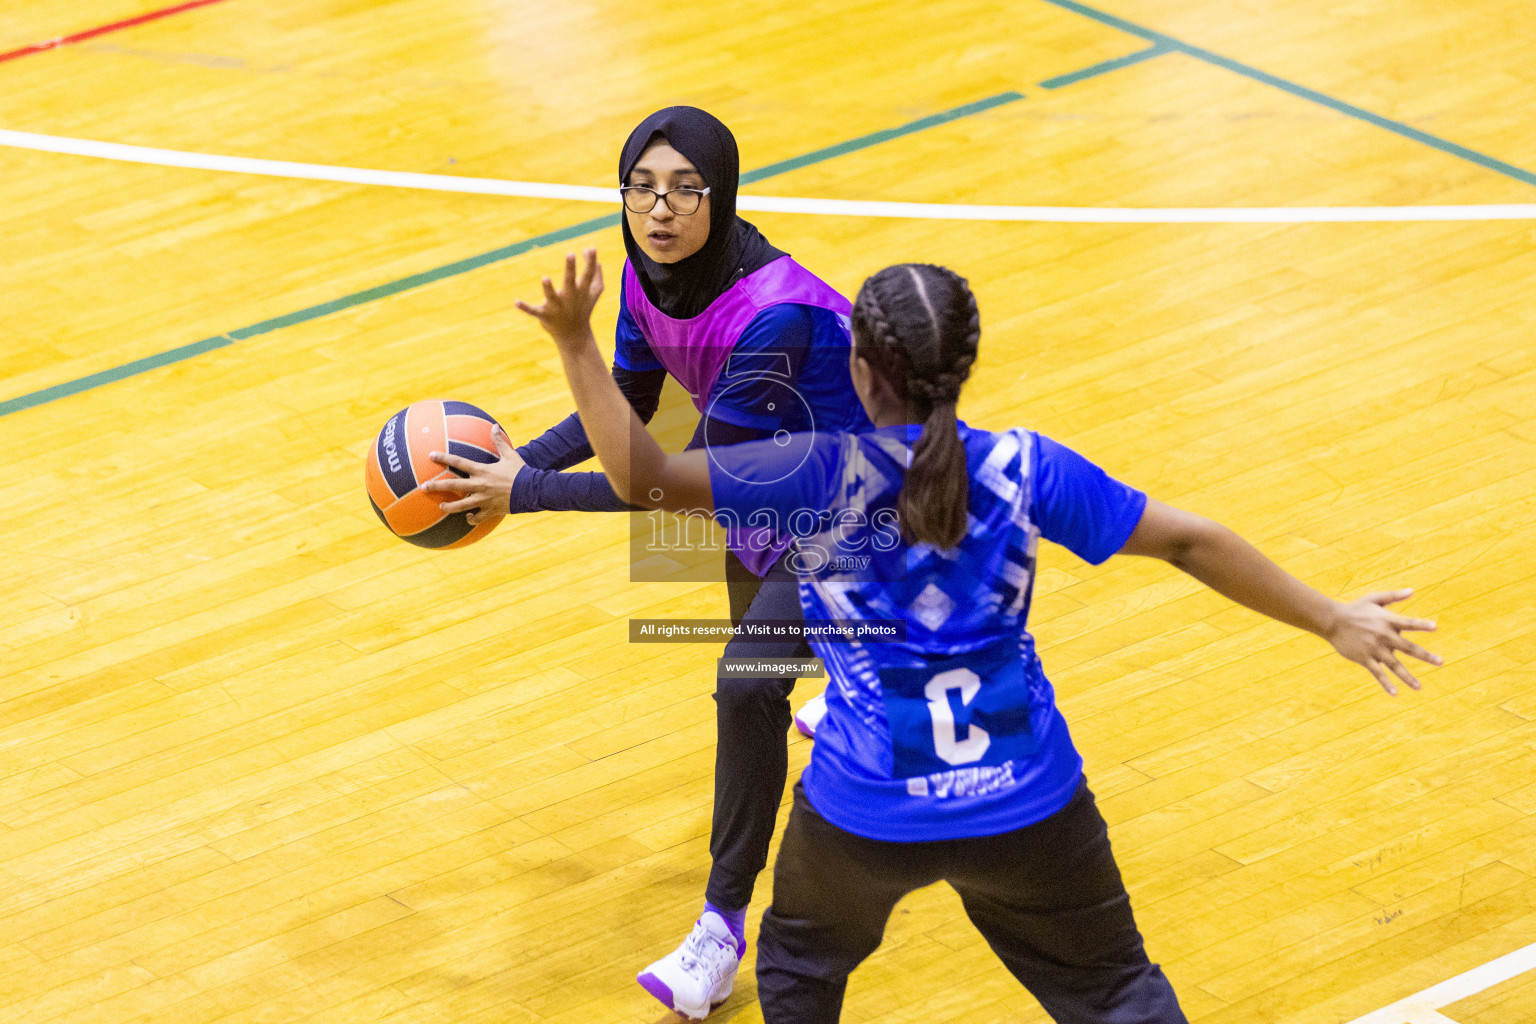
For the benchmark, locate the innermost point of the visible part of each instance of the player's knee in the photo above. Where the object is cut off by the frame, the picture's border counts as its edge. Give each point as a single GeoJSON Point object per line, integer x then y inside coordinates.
{"type": "Point", "coordinates": [760, 685]}
{"type": "Point", "coordinates": [757, 691]}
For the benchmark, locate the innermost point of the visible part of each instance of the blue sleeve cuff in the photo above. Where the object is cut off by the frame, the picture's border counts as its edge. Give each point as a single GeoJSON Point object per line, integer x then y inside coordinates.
{"type": "Point", "coordinates": [539, 490]}
{"type": "Point", "coordinates": [524, 490]}
{"type": "Point", "coordinates": [1112, 540]}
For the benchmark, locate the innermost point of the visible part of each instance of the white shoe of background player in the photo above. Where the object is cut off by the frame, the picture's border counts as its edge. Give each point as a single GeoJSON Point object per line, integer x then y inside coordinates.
{"type": "Point", "coordinates": [698, 975]}
{"type": "Point", "coordinates": [810, 716]}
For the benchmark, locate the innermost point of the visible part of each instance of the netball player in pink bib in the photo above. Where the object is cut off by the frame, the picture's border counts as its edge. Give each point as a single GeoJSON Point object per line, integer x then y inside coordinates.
{"type": "Point", "coordinates": [761, 346]}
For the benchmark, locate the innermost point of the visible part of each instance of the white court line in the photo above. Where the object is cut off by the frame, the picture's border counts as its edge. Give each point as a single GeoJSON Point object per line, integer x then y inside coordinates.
{"type": "Point", "coordinates": [771, 204]}
{"type": "Point", "coordinates": [313, 172]}
{"type": "Point", "coordinates": [1424, 1007]}
{"type": "Point", "coordinates": [1131, 215]}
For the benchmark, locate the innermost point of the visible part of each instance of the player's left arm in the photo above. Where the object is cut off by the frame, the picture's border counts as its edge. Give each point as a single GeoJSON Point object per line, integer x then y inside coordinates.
{"type": "Point", "coordinates": [1365, 631]}
{"type": "Point", "coordinates": [640, 472]}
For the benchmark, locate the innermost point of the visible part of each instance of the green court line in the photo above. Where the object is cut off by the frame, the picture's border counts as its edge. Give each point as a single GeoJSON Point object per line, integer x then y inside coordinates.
{"type": "Point", "coordinates": [1247, 71]}
{"type": "Point", "coordinates": [875, 138]}
{"type": "Point", "coordinates": [96, 380]}
{"type": "Point", "coordinates": [464, 266]}
{"type": "Point", "coordinates": [1104, 67]}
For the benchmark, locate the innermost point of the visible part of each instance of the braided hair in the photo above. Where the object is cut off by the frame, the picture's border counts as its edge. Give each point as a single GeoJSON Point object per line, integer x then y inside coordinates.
{"type": "Point", "coordinates": [918, 327]}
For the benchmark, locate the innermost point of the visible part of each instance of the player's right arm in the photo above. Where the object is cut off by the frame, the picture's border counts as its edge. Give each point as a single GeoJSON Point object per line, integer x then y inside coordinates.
{"type": "Point", "coordinates": [639, 375]}
{"type": "Point", "coordinates": [639, 470]}
{"type": "Point", "coordinates": [530, 478]}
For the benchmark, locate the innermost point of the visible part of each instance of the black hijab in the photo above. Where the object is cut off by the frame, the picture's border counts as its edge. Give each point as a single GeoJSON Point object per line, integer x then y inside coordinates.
{"type": "Point", "coordinates": [734, 249]}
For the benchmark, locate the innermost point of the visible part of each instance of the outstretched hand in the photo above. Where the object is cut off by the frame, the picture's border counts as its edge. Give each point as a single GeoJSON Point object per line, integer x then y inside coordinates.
{"type": "Point", "coordinates": [1367, 633]}
{"type": "Point", "coordinates": [567, 312]}
{"type": "Point", "coordinates": [486, 487]}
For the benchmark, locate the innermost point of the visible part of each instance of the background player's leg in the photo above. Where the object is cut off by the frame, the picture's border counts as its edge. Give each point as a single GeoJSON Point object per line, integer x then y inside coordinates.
{"type": "Point", "coordinates": [1050, 902]}
{"type": "Point", "coordinates": [751, 762]}
{"type": "Point", "coordinates": [832, 894]}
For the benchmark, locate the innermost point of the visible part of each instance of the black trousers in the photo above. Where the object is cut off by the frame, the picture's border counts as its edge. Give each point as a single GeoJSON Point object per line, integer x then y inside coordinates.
{"type": "Point", "coordinates": [1048, 899]}
{"type": "Point", "coordinates": [751, 717]}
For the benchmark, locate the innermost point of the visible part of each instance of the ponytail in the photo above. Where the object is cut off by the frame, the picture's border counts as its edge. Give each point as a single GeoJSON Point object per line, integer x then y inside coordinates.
{"type": "Point", "coordinates": [935, 496]}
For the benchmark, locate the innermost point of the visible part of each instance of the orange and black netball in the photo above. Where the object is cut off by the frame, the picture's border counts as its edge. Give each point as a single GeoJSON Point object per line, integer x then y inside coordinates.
{"type": "Point", "coordinates": [400, 462]}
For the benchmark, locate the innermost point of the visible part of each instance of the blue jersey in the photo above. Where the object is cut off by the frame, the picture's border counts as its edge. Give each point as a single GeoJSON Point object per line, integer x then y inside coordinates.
{"type": "Point", "coordinates": [953, 731]}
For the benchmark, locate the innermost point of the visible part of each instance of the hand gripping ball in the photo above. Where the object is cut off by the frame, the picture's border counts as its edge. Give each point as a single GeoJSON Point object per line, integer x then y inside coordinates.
{"type": "Point", "coordinates": [400, 463]}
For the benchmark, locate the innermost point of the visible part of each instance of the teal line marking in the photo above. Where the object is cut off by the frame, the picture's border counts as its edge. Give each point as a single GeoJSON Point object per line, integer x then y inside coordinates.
{"type": "Point", "coordinates": [875, 138]}
{"type": "Point", "coordinates": [1104, 67]}
{"type": "Point", "coordinates": [607, 220]}
{"type": "Point", "coordinates": [1445, 146]}
{"type": "Point", "coordinates": [117, 373]}
{"type": "Point", "coordinates": [485, 259]}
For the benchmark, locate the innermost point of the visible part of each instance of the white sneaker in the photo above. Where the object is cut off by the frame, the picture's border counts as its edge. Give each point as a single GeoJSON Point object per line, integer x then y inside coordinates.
{"type": "Point", "coordinates": [698, 975]}
{"type": "Point", "coordinates": [810, 716]}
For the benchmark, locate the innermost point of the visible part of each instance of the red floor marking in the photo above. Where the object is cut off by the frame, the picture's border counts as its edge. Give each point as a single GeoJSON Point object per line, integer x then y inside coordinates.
{"type": "Point", "coordinates": [100, 30]}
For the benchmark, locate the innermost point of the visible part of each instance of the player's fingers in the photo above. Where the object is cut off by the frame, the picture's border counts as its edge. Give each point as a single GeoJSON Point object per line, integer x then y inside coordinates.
{"type": "Point", "coordinates": [502, 441]}
{"type": "Point", "coordinates": [462, 505]}
{"type": "Point", "coordinates": [596, 287]}
{"type": "Point", "coordinates": [570, 273]}
{"type": "Point", "coordinates": [1382, 677]}
{"type": "Point", "coordinates": [549, 292]}
{"type": "Point", "coordinates": [1401, 671]}
{"type": "Point", "coordinates": [456, 461]}
{"type": "Point", "coordinates": [1386, 597]}
{"type": "Point", "coordinates": [1409, 647]}
{"type": "Point", "coordinates": [1417, 625]}
{"type": "Point", "coordinates": [530, 310]}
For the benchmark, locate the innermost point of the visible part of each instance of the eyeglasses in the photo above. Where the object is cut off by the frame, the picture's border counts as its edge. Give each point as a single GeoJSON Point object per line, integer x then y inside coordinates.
{"type": "Point", "coordinates": [681, 201]}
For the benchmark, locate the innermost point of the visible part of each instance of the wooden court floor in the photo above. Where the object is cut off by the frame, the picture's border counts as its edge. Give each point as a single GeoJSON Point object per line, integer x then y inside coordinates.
{"type": "Point", "coordinates": [262, 762]}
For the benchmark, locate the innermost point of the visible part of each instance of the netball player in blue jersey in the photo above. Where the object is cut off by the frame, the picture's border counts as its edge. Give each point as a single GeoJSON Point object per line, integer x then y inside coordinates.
{"type": "Point", "coordinates": [942, 755]}
{"type": "Point", "coordinates": [760, 344]}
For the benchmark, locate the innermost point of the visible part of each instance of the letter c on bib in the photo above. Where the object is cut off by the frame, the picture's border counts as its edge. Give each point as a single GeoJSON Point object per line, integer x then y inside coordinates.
{"type": "Point", "coordinates": [950, 748]}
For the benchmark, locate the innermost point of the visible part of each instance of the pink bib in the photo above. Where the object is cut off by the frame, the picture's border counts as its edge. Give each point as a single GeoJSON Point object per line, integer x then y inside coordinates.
{"type": "Point", "coordinates": [695, 351]}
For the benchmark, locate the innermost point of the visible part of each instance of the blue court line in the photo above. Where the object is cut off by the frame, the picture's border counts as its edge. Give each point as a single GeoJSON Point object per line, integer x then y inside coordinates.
{"type": "Point", "coordinates": [1444, 145]}
{"type": "Point", "coordinates": [1104, 67]}
{"type": "Point", "coordinates": [609, 220]}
